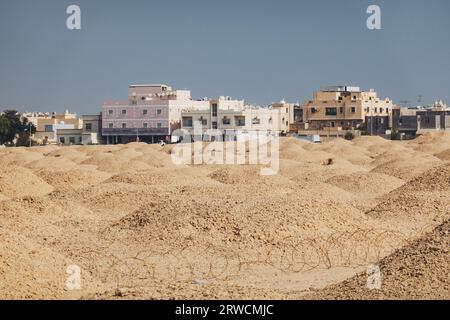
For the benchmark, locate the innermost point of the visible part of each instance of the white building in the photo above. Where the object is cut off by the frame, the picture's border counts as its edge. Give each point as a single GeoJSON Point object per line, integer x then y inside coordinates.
{"type": "Point", "coordinates": [233, 116]}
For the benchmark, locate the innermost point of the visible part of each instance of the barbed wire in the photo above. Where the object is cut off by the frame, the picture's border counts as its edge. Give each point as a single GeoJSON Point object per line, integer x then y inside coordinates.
{"type": "Point", "coordinates": [293, 255]}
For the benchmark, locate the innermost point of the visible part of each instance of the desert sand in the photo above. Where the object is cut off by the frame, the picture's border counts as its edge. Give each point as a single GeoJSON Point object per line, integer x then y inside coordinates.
{"type": "Point", "coordinates": [141, 227]}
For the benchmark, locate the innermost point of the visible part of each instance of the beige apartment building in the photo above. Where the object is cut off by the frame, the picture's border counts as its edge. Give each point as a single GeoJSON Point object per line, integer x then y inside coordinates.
{"type": "Point", "coordinates": [47, 124]}
{"type": "Point", "coordinates": [344, 108]}
{"type": "Point", "coordinates": [231, 116]}
{"type": "Point", "coordinates": [44, 121]}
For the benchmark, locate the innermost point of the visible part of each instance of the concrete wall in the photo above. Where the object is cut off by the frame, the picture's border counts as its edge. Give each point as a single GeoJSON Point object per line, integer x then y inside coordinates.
{"type": "Point", "coordinates": [377, 125]}
{"type": "Point", "coordinates": [431, 119]}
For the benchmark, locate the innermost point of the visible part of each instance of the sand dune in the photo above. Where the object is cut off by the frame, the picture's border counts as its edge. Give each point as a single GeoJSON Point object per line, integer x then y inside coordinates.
{"type": "Point", "coordinates": [420, 270]}
{"type": "Point", "coordinates": [140, 226]}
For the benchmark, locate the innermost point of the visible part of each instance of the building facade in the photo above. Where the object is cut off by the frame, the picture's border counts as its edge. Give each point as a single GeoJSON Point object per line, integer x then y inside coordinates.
{"type": "Point", "coordinates": [435, 117]}
{"type": "Point", "coordinates": [77, 137]}
{"type": "Point", "coordinates": [44, 122]}
{"type": "Point", "coordinates": [345, 108]}
{"type": "Point", "coordinates": [410, 121]}
{"type": "Point", "coordinates": [151, 114]}
{"type": "Point", "coordinates": [233, 116]}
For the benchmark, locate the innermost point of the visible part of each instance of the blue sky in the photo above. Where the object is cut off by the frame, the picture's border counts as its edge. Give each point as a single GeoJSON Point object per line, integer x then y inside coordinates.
{"type": "Point", "coordinates": [260, 51]}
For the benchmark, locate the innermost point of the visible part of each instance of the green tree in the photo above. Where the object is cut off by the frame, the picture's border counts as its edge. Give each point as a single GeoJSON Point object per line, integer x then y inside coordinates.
{"type": "Point", "coordinates": [395, 134]}
{"type": "Point", "coordinates": [11, 126]}
{"type": "Point", "coordinates": [349, 135]}
{"type": "Point", "coordinates": [5, 129]}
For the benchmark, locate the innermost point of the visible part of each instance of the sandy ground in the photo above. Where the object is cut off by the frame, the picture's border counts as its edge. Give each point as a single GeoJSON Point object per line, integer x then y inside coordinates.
{"type": "Point", "coordinates": [141, 227]}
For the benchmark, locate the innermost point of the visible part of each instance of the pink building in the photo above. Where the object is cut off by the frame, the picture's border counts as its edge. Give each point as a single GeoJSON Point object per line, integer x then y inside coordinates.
{"type": "Point", "coordinates": [151, 113]}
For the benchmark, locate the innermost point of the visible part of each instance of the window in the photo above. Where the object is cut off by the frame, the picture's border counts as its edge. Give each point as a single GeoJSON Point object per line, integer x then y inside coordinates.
{"type": "Point", "coordinates": [381, 110]}
{"type": "Point", "coordinates": [159, 125]}
{"type": "Point", "coordinates": [333, 124]}
{"type": "Point", "coordinates": [124, 111]}
{"type": "Point", "coordinates": [110, 112]}
{"type": "Point", "coordinates": [376, 110]}
{"type": "Point", "coordinates": [240, 121]}
{"type": "Point", "coordinates": [226, 121]}
{"type": "Point", "coordinates": [214, 109]}
{"type": "Point", "coordinates": [158, 112]}
{"type": "Point", "coordinates": [72, 140]}
{"type": "Point", "coordinates": [145, 125]}
{"type": "Point", "coordinates": [330, 111]}
{"type": "Point", "coordinates": [313, 110]}
{"type": "Point", "coordinates": [48, 128]}
{"type": "Point", "coordinates": [62, 140]}
{"type": "Point", "coordinates": [110, 125]}
{"type": "Point", "coordinates": [353, 109]}
{"type": "Point", "coordinates": [124, 125]}
{"type": "Point", "coordinates": [145, 112]}
{"type": "Point", "coordinates": [202, 121]}
{"type": "Point", "coordinates": [341, 109]}
{"type": "Point", "coordinates": [88, 126]}
{"type": "Point", "coordinates": [187, 122]}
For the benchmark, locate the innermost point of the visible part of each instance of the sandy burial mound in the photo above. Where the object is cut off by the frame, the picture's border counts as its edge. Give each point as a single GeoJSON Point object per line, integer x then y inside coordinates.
{"type": "Point", "coordinates": [420, 270]}
{"type": "Point", "coordinates": [140, 226]}
{"type": "Point", "coordinates": [18, 182]}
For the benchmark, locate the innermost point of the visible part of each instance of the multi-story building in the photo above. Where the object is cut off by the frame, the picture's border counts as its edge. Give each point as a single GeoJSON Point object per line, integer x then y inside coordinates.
{"type": "Point", "coordinates": [409, 121]}
{"type": "Point", "coordinates": [89, 134]}
{"type": "Point", "coordinates": [48, 123]}
{"type": "Point", "coordinates": [44, 122]}
{"type": "Point", "coordinates": [434, 117]}
{"type": "Point", "coordinates": [295, 114]}
{"type": "Point", "coordinates": [151, 113]}
{"type": "Point", "coordinates": [404, 121]}
{"type": "Point", "coordinates": [231, 116]}
{"type": "Point", "coordinates": [344, 108]}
